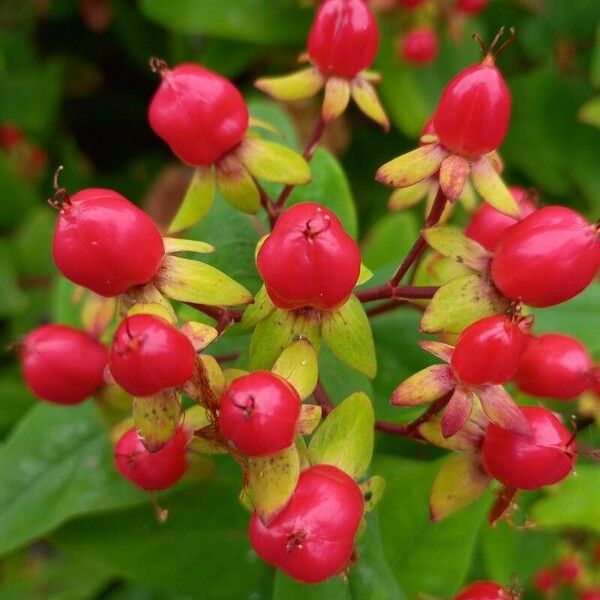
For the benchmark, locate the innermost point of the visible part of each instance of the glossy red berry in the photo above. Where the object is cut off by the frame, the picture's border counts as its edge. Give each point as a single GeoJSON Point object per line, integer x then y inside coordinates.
{"type": "Point", "coordinates": [61, 364]}
{"type": "Point", "coordinates": [488, 351]}
{"type": "Point", "coordinates": [473, 114]}
{"type": "Point", "coordinates": [483, 590]}
{"type": "Point", "coordinates": [471, 7]}
{"type": "Point", "coordinates": [309, 260]}
{"type": "Point", "coordinates": [105, 243]}
{"type": "Point", "coordinates": [589, 594]}
{"type": "Point", "coordinates": [312, 538]}
{"type": "Point", "coordinates": [152, 471]}
{"type": "Point", "coordinates": [554, 366]}
{"type": "Point", "coordinates": [198, 113]}
{"type": "Point", "coordinates": [528, 463]}
{"type": "Point", "coordinates": [545, 580]}
{"type": "Point", "coordinates": [487, 224]}
{"type": "Point", "coordinates": [343, 39]}
{"type": "Point", "coordinates": [259, 413]}
{"type": "Point", "coordinates": [570, 569]}
{"type": "Point", "coordinates": [148, 355]}
{"type": "Point", "coordinates": [547, 258]}
{"type": "Point", "coordinates": [419, 46]}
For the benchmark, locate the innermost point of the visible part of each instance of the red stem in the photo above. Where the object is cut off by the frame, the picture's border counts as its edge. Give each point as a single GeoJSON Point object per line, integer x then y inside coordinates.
{"type": "Point", "coordinates": [222, 315]}
{"type": "Point", "coordinates": [401, 292]}
{"type": "Point", "coordinates": [385, 307]}
{"type": "Point", "coordinates": [322, 397]}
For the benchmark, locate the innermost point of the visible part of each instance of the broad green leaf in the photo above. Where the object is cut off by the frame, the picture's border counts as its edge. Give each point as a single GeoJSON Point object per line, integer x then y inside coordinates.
{"type": "Point", "coordinates": [452, 243]}
{"type": "Point", "coordinates": [286, 588]}
{"type": "Point", "coordinates": [193, 281]}
{"type": "Point", "coordinates": [348, 333]}
{"type": "Point", "coordinates": [156, 418]}
{"type": "Point", "coordinates": [297, 364]}
{"type": "Point", "coordinates": [345, 438]}
{"type": "Point", "coordinates": [56, 465]}
{"type": "Point", "coordinates": [15, 398]}
{"type": "Point", "coordinates": [197, 200]}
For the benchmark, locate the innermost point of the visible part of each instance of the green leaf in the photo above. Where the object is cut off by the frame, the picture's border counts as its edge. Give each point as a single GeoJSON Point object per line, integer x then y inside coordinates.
{"type": "Point", "coordinates": [372, 491]}
{"type": "Point", "coordinates": [348, 333]}
{"type": "Point", "coordinates": [156, 418]}
{"type": "Point", "coordinates": [12, 298]}
{"type": "Point", "coordinates": [197, 200]}
{"type": "Point", "coordinates": [451, 242]}
{"type": "Point", "coordinates": [193, 281]}
{"type": "Point", "coordinates": [345, 438]}
{"type": "Point", "coordinates": [297, 364]}
{"type": "Point", "coordinates": [589, 113]}
{"type": "Point", "coordinates": [276, 115]}
{"type": "Point", "coordinates": [286, 588]}
{"type": "Point", "coordinates": [56, 465]}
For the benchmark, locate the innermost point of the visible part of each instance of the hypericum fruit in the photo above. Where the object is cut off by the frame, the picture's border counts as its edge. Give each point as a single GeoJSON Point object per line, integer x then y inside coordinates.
{"type": "Point", "coordinates": [198, 113]}
{"type": "Point", "coordinates": [343, 39]}
{"type": "Point", "coordinates": [483, 590]}
{"type": "Point", "coordinates": [570, 569]}
{"type": "Point", "coordinates": [487, 224]}
{"type": "Point", "coordinates": [471, 7]}
{"type": "Point", "coordinates": [105, 243]}
{"type": "Point", "coordinates": [309, 260]}
{"type": "Point", "coordinates": [259, 413]}
{"type": "Point", "coordinates": [419, 46]}
{"type": "Point", "coordinates": [61, 364]}
{"type": "Point", "coordinates": [554, 366]}
{"type": "Point", "coordinates": [545, 580]}
{"type": "Point", "coordinates": [473, 114]}
{"type": "Point", "coordinates": [410, 4]}
{"type": "Point", "coordinates": [152, 471]}
{"type": "Point", "coordinates": [312, 538]}
{"type": "Point", "coordinates": [488, 351]}
{"type": "Point", "coordinates": [589, 594]}
{"type": "Point", "coordinates": [148, 355]}
{"type": "Point", "coordinates": [11, 135]}
{"type": "Point", "coordinates": [547, 258]}
{"type": "Point", "coordinates": [528, 463]}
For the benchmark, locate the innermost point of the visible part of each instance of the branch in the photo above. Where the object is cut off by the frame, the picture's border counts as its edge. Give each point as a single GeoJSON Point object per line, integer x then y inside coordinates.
{"type": "Point", "coordinates": [322, 397]}
{"type": "Point", "coordinates": [400, 292]}
{"type": "Point", "coordinates": [385, 307]}
{"type": "Point", "coordinates": [223, 316]}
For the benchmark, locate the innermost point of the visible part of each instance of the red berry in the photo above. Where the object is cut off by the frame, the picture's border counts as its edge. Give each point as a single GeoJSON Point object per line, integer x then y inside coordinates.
{"type": "Point", "coordinates": [309, 260]}
{"type": "Point", "coordinates": [528, 463]}
{"type": "Point", "coordinates": [483, 590]}
{"type": "Point", "coordinates": [343, 39]}
{"type": "Point", "coordinates": [419, 46]}
{"type": "Point", "coordinates": [312, 538]}
{"type": "Point", "coordinates": [487, 224]}
{"type": "Point", "coordinates": [105, 243]}
{"type": "Point", "coordinates": [488, 351]}
{"type": "Point", "coordinates": [152, 471]}
{"type": "Point", "coordinates": [570, 569]}
{"type": "Point", "coordinates": [11, 135]}
{"type": "Point", "coordinates": [547, 258]}
{"type": "Point", "coordinates": [198, 113]}
{"type": "Point", "coordinates": [61, 364]}
{"type": "Point", "coordinates": [554, 366]}
{"type": "Point", "coordinates": [148, 355]}
{"type": "Point", "coordinates": [259, 413]}
{"type": "Point", "coordinates": [471, 7]}
{"type": "Point", "coordinates": [545, 581]}
{"type": "Point", "coordinates": [474, 111]}
{"type": "Point", "coordinates": [410, 4]}
{"type": "Point", "coordinates": [589, 594]}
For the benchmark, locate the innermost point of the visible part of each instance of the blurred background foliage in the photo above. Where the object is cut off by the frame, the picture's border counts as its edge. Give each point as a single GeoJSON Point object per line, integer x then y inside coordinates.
{"type": "Point", "coordinates": [74, 79]}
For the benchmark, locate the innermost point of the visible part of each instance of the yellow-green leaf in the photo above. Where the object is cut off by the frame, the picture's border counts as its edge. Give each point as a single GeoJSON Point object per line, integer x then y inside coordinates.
{"type": "Point", "coordinates": [492, 189]}
{"type": "Point", "coordinates": [450, 241]}
{"type": "Point", "coordinates": [295, 86]}
{"type": "Point", "coordinates": [424, 386]}
{"type": "Point", "coordinates": [197, 200]}
{"type": "Point", "coordinates": [412, 167]}
{"type": "Point", "coordinates": [156, 418]}
{"type": "Point", "coordinates": [298, 365]}
{"type": "Point", "coordinates": [237, 185]}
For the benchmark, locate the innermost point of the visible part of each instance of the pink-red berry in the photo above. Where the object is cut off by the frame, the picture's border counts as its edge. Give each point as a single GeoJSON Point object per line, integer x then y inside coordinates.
{"type": "Point", "coordinates": [410, 4]}
{"type": "Point", "coordinates": [530, 462]}
{"type": "Point", "coordinates": [473, 114]}
{"type": "Point", "coordinates": [61, 364]}
{"type": "Point", "coordinates": [105, 243]}
{"type": "Point", "coordinates": [151, 471]}
{"type": "Point", "coordinates": [259, 413]}
{"type": "Point", "coordinates": [570, 569]}
{"type": "Point", "coordinates": [547, 258]}
{"type": "Point", "coordinates": [471, 7]}
{"type": "Point", "coordinates": [309, 260]}
{"type": "Point", "coordinates": [198, 113]}
{"type": "Point", "coordinates": [589, 594]}
{"type": "Point", "coordinates": [488, 351]}
{"type": "Point", "coordinates": [545, 580]}
{"type": "Point", "coordinates": [343, 39]}
{"type": "Point", "coordinates": [11, 135]}
{"type": "Point", "coordinates": [312, 538]}
{"type": "Point", "coordinates": [419, 46]}
{"type": "Point", "coordinates": [487, 224]}
{"type": "Point", "coordinates": [554, 366]}
{"type": "Point", "coordinates": [149, 355]}
{"type": "Point", "coordinates": [483, 590]}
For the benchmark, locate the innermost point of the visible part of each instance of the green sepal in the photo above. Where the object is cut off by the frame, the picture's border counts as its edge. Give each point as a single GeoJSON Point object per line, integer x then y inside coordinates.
{"type": "Point", "coordinates": [297, 364]}
{"type": "Point", "coordinates": [337, 96]}
{"type": "Point", "coordinates": [193, 281]}
{"type": "Point", "coordinates": [405, 197]}
{"type": "Point", "coordinates": [156, 418]}
{"type": "Point", "coordinates": [295, 86]}
{"type": "Point", "coordinates": [412, 167]}
{"type": "Point", "coordinates": [454, 173]}
{"type": "Point", "coordinates": [200, 334]}
{"type": "Point", "coordinates": [492, 189]}
{"type": "Point", "coordinates": [261, 308]}
{"type": "Point", "coordinates": [367, 100]}
{"type": "Point", "coordinates": [364, 275]}
{"type": "Point", "coordinates": [451, 242]}
{"type": "Point", "coordinates": [232, 374]}
{"type": "Point", "coordinates": [237, 185]}
{"type": "Point", "coordinates": [198, 421]}
{"type": "Point", "coordinates": [347, 332]}
{"type": "Point", "coordinates": [173, 245]}
{"type": "Point", "coordinates": [372, 490]}
{"type": "Point", "coordinates": [424, 386]}
{"type": "Point", "coordinates": [310, 417]}
{"type": "Point", "coordinates": [345, 438]}
{"type": "Point", "coordinates": [197, 200]}
{"type": "Point", "coordinates": [97, 313]}
{"type": "Point", "coordinates": [155, 309]}
{"type": "Point", "coordinates": [148, 294]}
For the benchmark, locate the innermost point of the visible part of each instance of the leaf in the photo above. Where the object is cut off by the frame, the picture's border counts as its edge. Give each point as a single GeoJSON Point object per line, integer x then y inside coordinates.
{"type": "Point", "coordinates": [367, 100]}
{"type": "Point", "coordinates": [501, 409]}
{"type": "Point", "coordinates": [337, 96]}
{"type": "Point", "coordinates": [273, 162]}
{"type": "Point", "coordinates": [12, 298]}
{"type": "Point", "coordinates": [286, 588]}
{"type": "Point", "coordinates": [457, 411]}
{"type": "Point", "coordinates": [412, 167]}
{"type": "Point", "coordinates": [425, 386]}
{"type": "Point", "coordinates": [459, 482]}
{"type": "Point", "coordinates": [193, 281]}
{"type": "Point", "coordinates": [348, 333]}
{"type": "Point", "coordinates": [461, 302]}
{"type": "Point", "coordinates": [589, 113]}
{"type": "Point", "coordinates": [261, 308]}
{"type": "Point", "coordinates": [272, 481]}
{"type": "Point", "coordinates": [278, 331]}
{"type": "Point", "coordinates": [372, 490]}
{"type": "Point", "coordinates": [345, 439]}
{"type": "Point", "coordinates": [237, 185]}
{"type": "Point", "coordinates": [295, 86]}
{"type": "Point", "coordinates": [310, 417]}
{"type": "Point", "coordinates": [156, 418]}
{"type": "Point", "coordinates": [492, 189]}
{"type": "Point", "coordinates": [197, 200]}
{"type": "Point", "coordinates": [451, 242]}
{"type": "Point", "coordinates": [454, 173]}
{"type": "Point", "coordinates": [365, 274]}
{"type": "Point", "coordinates": [57, 464]}
{"type": "Point", "coordinates": [297, 364]}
